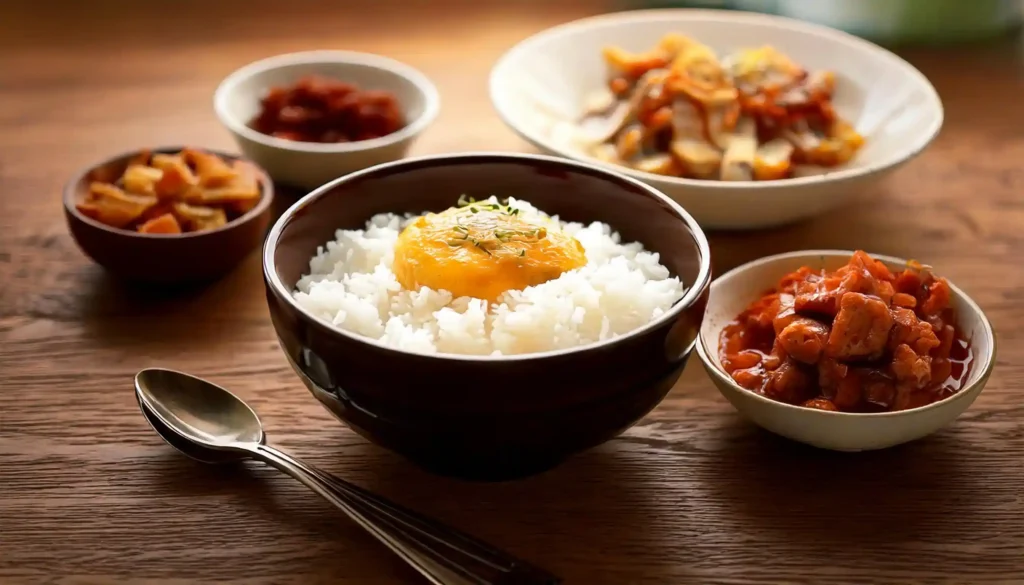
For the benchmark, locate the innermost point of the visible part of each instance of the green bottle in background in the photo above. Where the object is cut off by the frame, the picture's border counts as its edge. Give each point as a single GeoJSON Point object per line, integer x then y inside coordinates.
{"type": "Point", "coordinates": [888, 21]}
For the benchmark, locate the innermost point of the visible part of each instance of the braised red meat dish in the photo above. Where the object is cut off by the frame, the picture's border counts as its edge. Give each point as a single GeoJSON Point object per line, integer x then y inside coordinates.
{"type": "Point", "coordinates": [859, 339]}
{"type": "Point", "coordinates": [325, 110]}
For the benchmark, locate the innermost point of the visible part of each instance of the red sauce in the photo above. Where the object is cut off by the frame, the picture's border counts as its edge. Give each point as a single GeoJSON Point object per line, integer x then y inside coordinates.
{"type": "Point", "coordinates": [859, 339]}
{"type": "Point", "coordinates": [325, 110]}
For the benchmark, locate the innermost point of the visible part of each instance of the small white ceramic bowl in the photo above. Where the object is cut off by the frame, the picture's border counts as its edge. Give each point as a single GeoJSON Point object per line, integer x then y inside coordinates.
{"type": "Point", "coordinates": [539, 87]}
{"type": "Point", "coordinates": [736, 289]}
{"type": "Point", "coordinates": [309, 165]}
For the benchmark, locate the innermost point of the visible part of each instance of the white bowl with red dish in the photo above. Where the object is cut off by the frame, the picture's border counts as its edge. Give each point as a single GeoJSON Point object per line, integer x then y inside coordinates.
{"type": "Point", "coordinates": [239, 102]}
{"type": "Point", "coordinates": [874, 426]}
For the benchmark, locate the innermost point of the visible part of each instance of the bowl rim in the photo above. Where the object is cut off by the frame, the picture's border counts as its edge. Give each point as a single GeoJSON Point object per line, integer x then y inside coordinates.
{"type": "Point", "coordinates": [901, 155]}
{"type": "Point", "coordinates": [692, 293]}
{"type": "Point", "coordinates": [426, 88]}
{"type": "Point", "coordinates": [70, 195]}
{"type": "Point", "coordinates": [713, 369]}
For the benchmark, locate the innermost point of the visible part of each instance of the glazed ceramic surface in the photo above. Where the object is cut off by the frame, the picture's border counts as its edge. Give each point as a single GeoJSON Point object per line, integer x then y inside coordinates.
{"type": "Point", "coordinates": [484, 416]}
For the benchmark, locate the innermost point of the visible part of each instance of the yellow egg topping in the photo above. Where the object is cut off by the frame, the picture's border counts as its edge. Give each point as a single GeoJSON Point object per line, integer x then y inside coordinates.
{"type": "Point", "coordinates": [482, 249]}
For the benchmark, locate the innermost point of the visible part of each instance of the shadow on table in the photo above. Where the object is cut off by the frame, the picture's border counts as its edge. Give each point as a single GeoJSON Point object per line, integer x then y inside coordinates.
{"type": "Point", "coordinates": [267, 514]}
{"type": "Point", "coordinates": [562, 518]}
{"type": "Point", "coordinates": [112, 308]}
{"type": "Point", "coordinates": [858, 501]}
{"type": "Point", "coordinates": [585, 516]}
{"type": "Point", "coordinates": [654, 511]}
{"type": "Point", "coordinates": [639, 508]}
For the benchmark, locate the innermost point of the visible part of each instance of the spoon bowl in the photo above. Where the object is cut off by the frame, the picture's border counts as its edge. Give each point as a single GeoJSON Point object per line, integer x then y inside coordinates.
{"type": "Point", "coordinates": [184, 446]}
{"type": "Point", "coordinates": [197, 410]}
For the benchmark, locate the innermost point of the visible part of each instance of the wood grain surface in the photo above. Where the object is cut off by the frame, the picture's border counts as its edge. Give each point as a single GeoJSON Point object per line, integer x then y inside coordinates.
{"type": "Point", "coordinates": [693, 494]}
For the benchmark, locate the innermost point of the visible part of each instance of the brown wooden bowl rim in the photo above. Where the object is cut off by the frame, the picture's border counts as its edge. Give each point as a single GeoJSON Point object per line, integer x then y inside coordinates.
{"type": "Point", "coordinates": [692, 294]}
{"type": "Point", "coordinates": [266, 196]}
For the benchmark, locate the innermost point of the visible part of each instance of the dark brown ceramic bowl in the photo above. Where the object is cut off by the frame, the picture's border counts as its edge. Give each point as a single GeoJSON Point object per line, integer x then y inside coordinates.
{"type": "Point", "coordinates": [488, 417]}
{"type": "Point", "coordinates": [164, 258]}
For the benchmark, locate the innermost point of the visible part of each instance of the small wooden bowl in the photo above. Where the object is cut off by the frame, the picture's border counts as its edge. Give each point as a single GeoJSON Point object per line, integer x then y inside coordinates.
{"type": "Point", "coordinates": [164, 258]}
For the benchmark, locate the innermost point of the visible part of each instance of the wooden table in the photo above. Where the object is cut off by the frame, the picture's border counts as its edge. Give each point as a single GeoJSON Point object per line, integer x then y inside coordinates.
{"type": "Point", "coordinates": [693, 494]}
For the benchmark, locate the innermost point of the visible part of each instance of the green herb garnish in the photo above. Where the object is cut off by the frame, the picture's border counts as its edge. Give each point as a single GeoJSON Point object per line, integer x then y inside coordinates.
{"type": "Point", "coordinates": [489, 237]}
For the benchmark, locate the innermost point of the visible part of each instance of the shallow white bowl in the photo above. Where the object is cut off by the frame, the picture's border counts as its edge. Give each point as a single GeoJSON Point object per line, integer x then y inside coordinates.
{"type": "Point", "coordinates": [309, 165]}
{"type": "Point", "coordinates": [733, 291]}
{"type": "Point", "coordinates": [538, 87]}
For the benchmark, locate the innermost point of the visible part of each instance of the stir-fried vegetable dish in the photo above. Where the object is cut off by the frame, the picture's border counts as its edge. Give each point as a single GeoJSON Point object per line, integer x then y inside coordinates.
{"type": "Point", "coordinates": [679, 110]}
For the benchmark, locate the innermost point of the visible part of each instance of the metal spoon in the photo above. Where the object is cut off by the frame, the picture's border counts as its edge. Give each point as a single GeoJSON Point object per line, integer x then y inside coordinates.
{"type": "Point", "coordinates": [212, 425]}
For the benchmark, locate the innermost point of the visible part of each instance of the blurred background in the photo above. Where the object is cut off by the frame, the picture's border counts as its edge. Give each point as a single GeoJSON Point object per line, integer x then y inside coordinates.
{"type": "Point", "coordinates": [887, 21]}
{"type": "Point", "coordinates": [57, 70]}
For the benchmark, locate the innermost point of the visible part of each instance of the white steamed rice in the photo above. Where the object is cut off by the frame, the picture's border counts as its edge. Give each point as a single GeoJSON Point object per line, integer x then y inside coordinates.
{"type": "Point", "coordinates": [621, 288]}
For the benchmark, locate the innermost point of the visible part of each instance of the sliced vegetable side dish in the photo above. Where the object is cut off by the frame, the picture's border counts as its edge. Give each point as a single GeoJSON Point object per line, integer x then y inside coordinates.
{"type": "Point", "coordinates": [859, 339]}
{"type": "Point", "coordinates": [159, 193]}
{"type": "Point", "coordinates": [679, 110]}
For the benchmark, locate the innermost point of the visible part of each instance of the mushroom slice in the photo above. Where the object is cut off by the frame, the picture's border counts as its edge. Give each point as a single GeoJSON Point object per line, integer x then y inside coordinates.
{"type": "Point", "coordinates": [800, 135]}
{"type": "Point", "coordinates": [738, 161]}
{"type": "Point", "coordinates": [594, 129]}
{"type": "Point", "coordinates": [772, 160]}
{"type": "Point", "coordinates": [686, 120]}
{"type": "Point", "coordinates": [658, 164]}
{"type": "Point", "coordinates": [813, 91]}
{"type": "Point", "coordinates": [835, 149]}
{"type": "Point", "coordinates": [601, 127]}
{"type": "Point", "coordinates": [820, 84]}
{"type": "Point", "coordinates": [803, 140]}
{"type": "Point", "coordinates": [721, 123]}
{"type": "Point", "coordinates": [699, 159]}
{"type": "Point", "coordinates": [629, 142]}
{"type": "Point", "coordinates": [606, 152]}
{"type": "Point", "coordinates": [599, 103]}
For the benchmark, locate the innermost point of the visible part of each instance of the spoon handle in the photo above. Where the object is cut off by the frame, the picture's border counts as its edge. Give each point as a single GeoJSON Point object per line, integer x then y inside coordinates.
{"type": "Point", "coordinates": [442, 554]}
